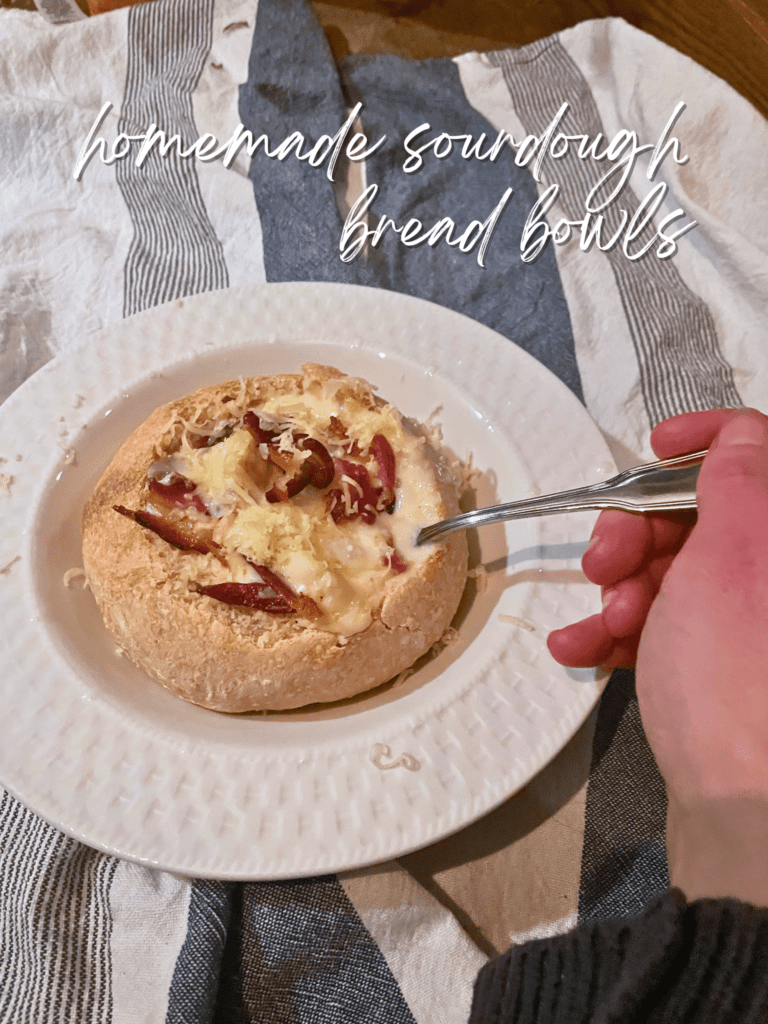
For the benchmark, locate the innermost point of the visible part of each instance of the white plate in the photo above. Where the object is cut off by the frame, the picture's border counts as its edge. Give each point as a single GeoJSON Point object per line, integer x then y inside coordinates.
{"type": "Point", "coordinates": [111, 758]}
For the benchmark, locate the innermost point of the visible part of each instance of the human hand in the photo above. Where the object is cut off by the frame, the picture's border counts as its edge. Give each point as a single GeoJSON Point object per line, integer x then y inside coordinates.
{"type": "Point", "coordinates": [691, 604]}
{"type": "Point", "coordinates": [628, 555]}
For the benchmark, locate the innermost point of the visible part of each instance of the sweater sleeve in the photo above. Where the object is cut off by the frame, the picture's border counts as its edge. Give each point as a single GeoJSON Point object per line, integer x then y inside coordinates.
{"type": "Point", "coordinates": [703, 963]}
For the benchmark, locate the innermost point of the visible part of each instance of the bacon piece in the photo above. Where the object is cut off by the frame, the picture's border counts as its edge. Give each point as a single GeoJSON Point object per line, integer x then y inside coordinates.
{"type": "Point", "coordinates": [200, 441]}
{"type": "Point", "coordinates": [363, 503]}
{"type": "Point", "coordinates": [337, 430]}
{"type": "Point", "coordinates": [357, 472]}
{"type": "Point", "coordinates": [293, 479]}
{"type": "Point", "coordinates": [317, 469]}
{"type": "Point", "coordinates": [284, 489]}
{"type": "Point", "coordinates": [247, 595]}
{"type": "Point", "coordinates": [396, 564]}
{"type": "Point", "coordinates": [370, 500]}
{"type": "Point", "coordinates": [320, 462]}
{"type": "Point", "coordinates": [300, 603]}
{"type": "Point", "coordinates": [252, 423]}
{"type": "Point", "coordinates": [335, 506]}
{"type": "Point", "coordinates": [180, 533]}
{"type": "Point", "coordinates": [382, 452]}
{"type": "Point", "coordinates": [178, 492]}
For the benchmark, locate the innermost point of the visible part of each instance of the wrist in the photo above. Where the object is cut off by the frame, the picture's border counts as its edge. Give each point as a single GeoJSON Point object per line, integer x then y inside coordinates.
{"type": "Point", "coordinates": [719, 848]}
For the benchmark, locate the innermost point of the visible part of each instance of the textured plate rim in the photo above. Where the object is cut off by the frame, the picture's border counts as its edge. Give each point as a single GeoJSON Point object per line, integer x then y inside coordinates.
{"type": "Point", "coordinates": [466, 792]}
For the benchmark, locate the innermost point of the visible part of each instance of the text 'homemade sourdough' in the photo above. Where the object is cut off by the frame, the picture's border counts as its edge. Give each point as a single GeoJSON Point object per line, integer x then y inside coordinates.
{"type": "Point", "coordinates": [251, 546]}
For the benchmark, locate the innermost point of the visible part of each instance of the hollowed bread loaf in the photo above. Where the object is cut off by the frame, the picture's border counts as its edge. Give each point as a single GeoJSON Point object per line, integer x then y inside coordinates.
{"type": "Point", "coordinates": [251, 545]}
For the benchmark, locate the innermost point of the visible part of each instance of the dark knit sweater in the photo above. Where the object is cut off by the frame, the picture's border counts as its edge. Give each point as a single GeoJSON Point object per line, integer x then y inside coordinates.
{"type": "Point", "coordinates": [700, 963]}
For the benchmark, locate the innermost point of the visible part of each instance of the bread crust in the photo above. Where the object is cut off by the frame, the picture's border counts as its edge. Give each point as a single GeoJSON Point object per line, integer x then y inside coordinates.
{"type": "Point", "coordinates": [234, 659]}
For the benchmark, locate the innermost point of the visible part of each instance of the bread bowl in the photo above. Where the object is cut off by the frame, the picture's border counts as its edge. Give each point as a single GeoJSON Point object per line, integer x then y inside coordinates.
{"type": "Point", "coordinates": [250, 546]}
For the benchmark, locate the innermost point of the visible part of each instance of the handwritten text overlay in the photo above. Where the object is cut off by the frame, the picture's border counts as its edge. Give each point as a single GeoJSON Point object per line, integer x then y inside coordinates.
{"type": "Point", "coordinates": [617, 159]}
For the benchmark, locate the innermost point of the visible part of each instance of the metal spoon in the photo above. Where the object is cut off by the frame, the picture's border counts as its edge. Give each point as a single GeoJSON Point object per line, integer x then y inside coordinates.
{"type": "Point", "coordinates": [654, 487]}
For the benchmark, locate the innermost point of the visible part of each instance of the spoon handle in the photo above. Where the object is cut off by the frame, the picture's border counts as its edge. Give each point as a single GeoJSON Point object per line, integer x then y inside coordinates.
{"type": "Point", "coordinates": [654, 487]}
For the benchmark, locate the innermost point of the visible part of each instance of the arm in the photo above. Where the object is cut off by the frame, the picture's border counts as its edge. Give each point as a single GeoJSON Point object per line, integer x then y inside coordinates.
{"type": "Point", "coordinates": [689, 603]}
{"type": "Point", "coordinates": [703, 963]}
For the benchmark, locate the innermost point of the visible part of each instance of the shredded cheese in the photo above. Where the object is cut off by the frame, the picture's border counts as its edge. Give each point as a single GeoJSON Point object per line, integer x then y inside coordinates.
{"type": "Point", "coordinates": [342, 566]}
{"type": "Point", "coordinates": [513, 620]}
{"type": "Point", "coordinates": [75, 574]}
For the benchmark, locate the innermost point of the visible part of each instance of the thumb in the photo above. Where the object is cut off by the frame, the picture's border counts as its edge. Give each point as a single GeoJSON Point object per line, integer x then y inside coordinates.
{"type": "Point", "coordinates": [732, 493]}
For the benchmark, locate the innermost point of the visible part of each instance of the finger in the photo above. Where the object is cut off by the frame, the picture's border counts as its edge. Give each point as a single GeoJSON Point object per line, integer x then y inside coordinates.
{"type": "Point", "coordinates": [692, 431]}
{"type": "Point", "coordinates": [626, 605]}
{"type": "Point", "coordinates": [623, 544]}
{"type": "Point", "coordinates": [625, 609]}
{"type": "Point", "coordinates": [582, 644]}
{"type": "Point", "coordinates": [623, 653]}
{"type": "Point", "coordinates": [669, 530]}
{"type": "Point", "coordinates": [587, 644]}
{"type": "Point", "coordinates": [620, 543]}
{"type": "Point", "coordinates": [732, 495]}
{"type": "Point", "coordinates": [657, 568]}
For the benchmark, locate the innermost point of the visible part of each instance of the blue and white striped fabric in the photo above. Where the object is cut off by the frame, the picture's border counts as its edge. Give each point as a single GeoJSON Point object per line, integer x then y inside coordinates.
{"type": "Point", "coordinates": [88, 938]}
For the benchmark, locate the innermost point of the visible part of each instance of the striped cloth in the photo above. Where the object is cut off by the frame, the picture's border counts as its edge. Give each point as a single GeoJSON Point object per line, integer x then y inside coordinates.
{"type": "Point", "coordinates": [85, 937]}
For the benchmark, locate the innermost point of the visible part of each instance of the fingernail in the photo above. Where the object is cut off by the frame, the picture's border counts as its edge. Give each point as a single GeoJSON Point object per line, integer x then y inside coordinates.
{"type": "Point", "coordinates": [743, 430]}
{"type": "Point", "coordinates": [609, 596]}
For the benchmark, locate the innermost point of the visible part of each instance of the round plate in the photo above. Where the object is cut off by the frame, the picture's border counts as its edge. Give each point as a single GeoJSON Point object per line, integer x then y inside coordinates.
{"type": "Point", "coordinates": [110, 757]}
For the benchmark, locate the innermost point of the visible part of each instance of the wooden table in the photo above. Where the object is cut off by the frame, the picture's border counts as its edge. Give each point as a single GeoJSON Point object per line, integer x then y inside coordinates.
{"type": "Point", "coordinates": [730, 37]}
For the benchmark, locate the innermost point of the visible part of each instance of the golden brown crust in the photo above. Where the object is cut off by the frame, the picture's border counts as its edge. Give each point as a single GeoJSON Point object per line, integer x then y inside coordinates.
{"type": "Point", "coordinates": [238, 659]}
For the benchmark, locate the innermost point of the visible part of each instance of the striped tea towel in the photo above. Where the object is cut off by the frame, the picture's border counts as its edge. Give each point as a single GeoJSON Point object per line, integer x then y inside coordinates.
{"type": "Point", "coordinates": [87, 937]}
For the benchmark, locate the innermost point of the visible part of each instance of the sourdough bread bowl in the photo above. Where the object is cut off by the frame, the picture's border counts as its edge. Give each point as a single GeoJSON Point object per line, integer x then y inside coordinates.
{"type": "Point", "coordinates": [251, 545]}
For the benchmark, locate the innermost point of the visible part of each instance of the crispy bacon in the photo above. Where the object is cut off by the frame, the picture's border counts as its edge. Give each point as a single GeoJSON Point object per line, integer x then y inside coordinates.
{"type": "Point", "coordinates": [178, 492]}
{"type": "Point", "coordinates": [364, 497]}
{"type": "Point", "coordinates": [252, 423]}
{"type": "Point", "coordinates": [335, 506]}
{"type": "Point", "coordinates": [294, 479]}
{"type": "Point", "coordinates": [178, 532]}
{"type": "Point", "coordinates": [271, 595]}
{"type": "Point", "coordinates": [317, 469]}
{"type": "Point", "coordinates": [247, 595]}
{"type": "Point", "coordinates": [300, 603]}
{"type": "Point", "coordinates": [382, 452]}
{"type": "Point", "coordinates": [396, 564]}
{"type": "Point", "coordinates": [357, 472]}
{"type": "Point", "coordinates": [320, 462]}
{"type": "Point", "coordinates": [285, 488]}
{"type": "Point", "coordinates": [337, 430]}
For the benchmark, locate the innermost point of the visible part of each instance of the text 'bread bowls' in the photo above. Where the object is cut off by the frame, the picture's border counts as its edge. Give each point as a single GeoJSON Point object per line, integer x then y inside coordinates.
{"type": "Point", "coordinates": [251, 546]}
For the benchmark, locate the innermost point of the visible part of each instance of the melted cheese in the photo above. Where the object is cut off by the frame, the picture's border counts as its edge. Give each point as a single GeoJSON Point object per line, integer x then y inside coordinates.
{"type": "Point", "coordinates": [312, 412]}
{"type": "Point", "coordinates": [227, 469]}
{"type": "Point", "coordinates": [343, 567]}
